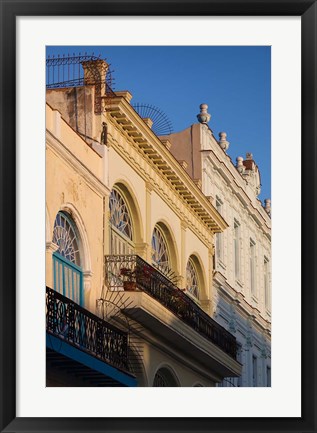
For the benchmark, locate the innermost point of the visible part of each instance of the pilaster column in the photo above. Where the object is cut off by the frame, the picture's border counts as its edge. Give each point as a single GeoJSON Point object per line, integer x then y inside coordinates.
{"type": "Point", "coordinates": [263, 374]}
{"type": "Point", "coordinates": [89, 297]}
{"type": "Point", "coordinates": [148, 221]}
{"type": "Point", "coordinates": [210, 272]}
{"type": "Point", "coordinates": [182, 279]}
{"type": "Point", "coordinates": [106, 226]}
{"type": "Point", "coordinates": [50, 250]}
{"type": "Point", "coordinates": [264, 363]}
{"type": "Point", "coordinates": [249, 356]}
{"type": "Point", "coordinates": [141, 249]}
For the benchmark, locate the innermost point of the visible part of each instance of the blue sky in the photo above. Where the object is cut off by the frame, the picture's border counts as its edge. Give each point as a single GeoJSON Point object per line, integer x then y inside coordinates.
{"type": "Point", "coordinates": [235, 82]}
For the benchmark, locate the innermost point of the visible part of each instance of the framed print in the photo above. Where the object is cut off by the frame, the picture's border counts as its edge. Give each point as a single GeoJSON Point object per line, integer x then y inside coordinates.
{"type": "Point", "coordinates": [151, 230]}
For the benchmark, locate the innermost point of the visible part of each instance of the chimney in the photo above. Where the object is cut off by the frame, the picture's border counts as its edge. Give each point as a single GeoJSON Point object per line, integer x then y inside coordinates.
{"type": "Point", "coordinates": [249, 162]}
{"type": "Point", "coordinates": [95, 72]}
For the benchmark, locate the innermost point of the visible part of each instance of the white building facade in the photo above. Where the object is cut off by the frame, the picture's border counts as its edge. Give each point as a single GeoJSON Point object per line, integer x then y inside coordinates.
{"type": "Point", "coordinates": [242, 268]}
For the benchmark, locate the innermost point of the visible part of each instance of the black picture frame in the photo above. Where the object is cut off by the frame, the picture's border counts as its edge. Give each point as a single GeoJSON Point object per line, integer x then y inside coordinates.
{"type": "Point", "coordinates": [9, 11]}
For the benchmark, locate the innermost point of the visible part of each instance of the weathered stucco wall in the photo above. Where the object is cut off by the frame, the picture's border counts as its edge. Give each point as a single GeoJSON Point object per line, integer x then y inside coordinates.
{"type": "Point", "coordinates": [70, 188]}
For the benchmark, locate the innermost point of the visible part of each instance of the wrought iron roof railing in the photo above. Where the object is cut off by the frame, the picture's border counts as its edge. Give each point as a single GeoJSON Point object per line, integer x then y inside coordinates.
{"type": "Point", "coordinates": [67, 71]}
{"type": "Point", "coordinates": [130, 272]}
{"type": "Point", "coordinates": [70, 322]}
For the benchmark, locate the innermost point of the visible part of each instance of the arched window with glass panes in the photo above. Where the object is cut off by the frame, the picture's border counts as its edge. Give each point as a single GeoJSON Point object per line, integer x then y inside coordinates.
{"type": "Point", "coordinates": [165, 378]}
{"type": "Point", "coordinates": [192, 280]}
{"type": "Point", "coordinates": [160, 252]}
{"type": "Point", "coordinates": [67, 271]}
{"type": "Point", "coordinates": [121, 239]}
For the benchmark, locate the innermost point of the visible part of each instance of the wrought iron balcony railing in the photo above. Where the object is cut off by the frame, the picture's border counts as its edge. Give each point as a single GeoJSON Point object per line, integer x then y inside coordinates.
{"type": "Point", "coordinates": [70, 322]}
{"type": "Point", "coordinates": [130, 272]}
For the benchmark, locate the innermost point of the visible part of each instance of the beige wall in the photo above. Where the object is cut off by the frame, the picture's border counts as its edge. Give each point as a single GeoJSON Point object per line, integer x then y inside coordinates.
{"type": "Point", "coordinates": [73, 170]}
{"type": "Point", "coordinates": [69, 188]}
{"type": "Point", "coordinates": [183, 371]}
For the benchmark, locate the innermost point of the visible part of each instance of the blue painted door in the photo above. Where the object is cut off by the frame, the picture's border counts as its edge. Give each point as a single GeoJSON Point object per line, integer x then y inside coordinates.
{"type": "Point", "coordinates": [68, 279]}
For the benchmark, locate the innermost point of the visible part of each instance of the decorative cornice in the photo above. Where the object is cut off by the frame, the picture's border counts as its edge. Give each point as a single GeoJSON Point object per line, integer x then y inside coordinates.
{"type": "Point", "coordinates": [239, 300]}
{"type": "Point", "coordinates": [151, 147]}
{"type": "Point", "coordinates": [228, 169]}
{"type": "Point", "coordinates": [149, 186]}
{"type": "Point", "coordinates": [121, 143]}
{"type": "Point", "coordinates": [184, 225]}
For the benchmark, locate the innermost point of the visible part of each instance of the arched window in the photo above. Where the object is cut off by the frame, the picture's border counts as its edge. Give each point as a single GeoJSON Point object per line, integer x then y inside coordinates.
{"type": "Point", "coordinates": [68, 276]}
{"type": "Point", "coordinates": [192, 282]}
{"type": "Point", "coordinates": [159, 380]}
{"type": "Point", "coordinates": [164, 377]}
{"type": "Point", "coordinates": [160, 253]}
{"type": "Point", "coordinates": [121, 225]}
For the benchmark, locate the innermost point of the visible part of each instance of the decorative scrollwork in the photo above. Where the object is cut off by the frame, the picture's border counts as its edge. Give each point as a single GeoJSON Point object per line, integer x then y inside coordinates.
{"type": "Point", "coordinates": [192, 279]}
{"type": "Point", "coordinates": [68, 321]}
{"type": "Point", "coordinates": [64, 235]}
{"type": "Point", "coordinates": [160, 255]}
{"type": "Point", "coordinates": [119, 214]}
{"type": "Point", "coordinates": [150, 280]}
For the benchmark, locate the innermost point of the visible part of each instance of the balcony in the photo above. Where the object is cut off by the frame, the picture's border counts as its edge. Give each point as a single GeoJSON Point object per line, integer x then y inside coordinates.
{"type": "Point", "coordinates": [86, 333]}
{"type": "Point", "coordinates": [132, 273]}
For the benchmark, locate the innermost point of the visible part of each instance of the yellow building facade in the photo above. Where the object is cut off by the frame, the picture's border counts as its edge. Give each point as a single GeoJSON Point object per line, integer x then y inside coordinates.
{"type": "Point", "coordinates": [129, 250]}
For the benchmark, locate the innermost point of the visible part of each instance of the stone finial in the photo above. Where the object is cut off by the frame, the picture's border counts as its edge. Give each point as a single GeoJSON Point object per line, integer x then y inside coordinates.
{"type": "Point", "coordinates": [249, 156]}
{"type": "Point", "coordinates": [203, 116]}
{"type": "Point", "coordinates": [267, 205]}
{"type": "Point", "coordinates": [223, 143]}
{"type": "Point", "coordinates": [240, 166]}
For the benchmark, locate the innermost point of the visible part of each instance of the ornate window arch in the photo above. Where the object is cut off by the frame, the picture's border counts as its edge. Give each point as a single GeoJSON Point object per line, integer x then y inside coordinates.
{"type": "Point", "coordinates": [67, 261]}
{"type": "Point", "coordinates": [66, 238]}
{"type": "Point", "coordinates": [122, 239]}
{"type": "Point", "coordinates": [160, 251]}
{"type": "Point", "coordinates": [120, 214]}
{"type": "Point", "coordinates": [195, 278]}
{"type": "Point", "coordinates": [164, 377]}
{"type": "Point", "coordinates": [192, 278]}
